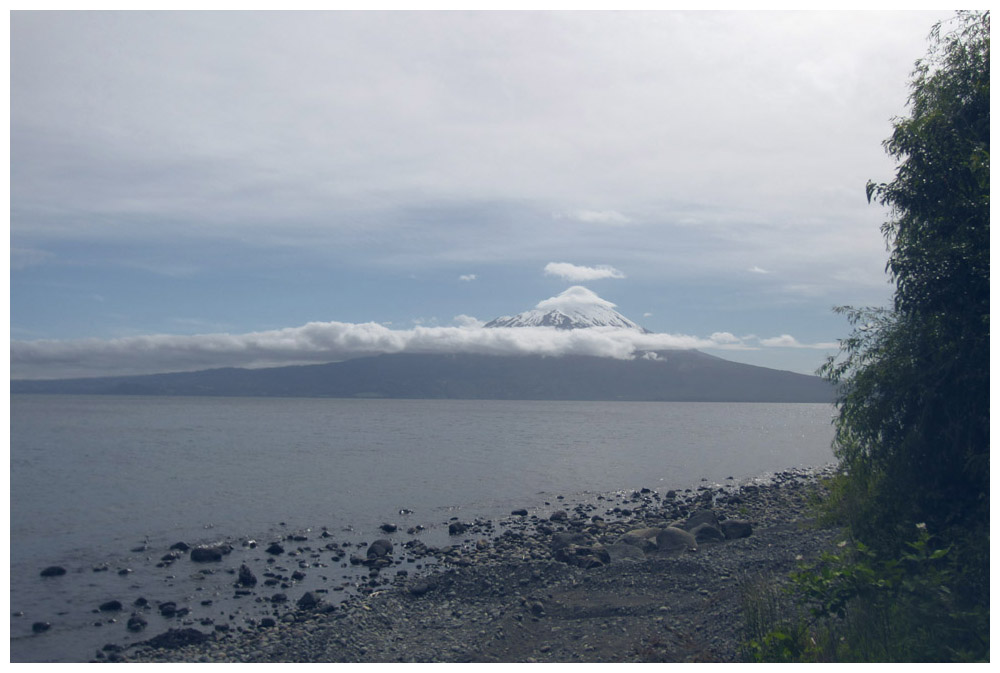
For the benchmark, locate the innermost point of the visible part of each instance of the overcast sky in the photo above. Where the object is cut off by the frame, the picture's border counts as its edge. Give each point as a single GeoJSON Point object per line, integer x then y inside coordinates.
{"type": "Point", "coordinates": [201, 189]}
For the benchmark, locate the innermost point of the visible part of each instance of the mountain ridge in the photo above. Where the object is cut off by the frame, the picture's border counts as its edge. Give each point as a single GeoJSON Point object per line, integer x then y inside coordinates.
{"type": "Point", "coordinates": [670, 376]}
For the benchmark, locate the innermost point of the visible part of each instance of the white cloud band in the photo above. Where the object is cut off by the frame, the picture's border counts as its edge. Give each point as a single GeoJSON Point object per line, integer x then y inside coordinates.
{"type": "Point", "coordinates": [575, 273]}
{"type": "Point", "coordinates": [319, 342]}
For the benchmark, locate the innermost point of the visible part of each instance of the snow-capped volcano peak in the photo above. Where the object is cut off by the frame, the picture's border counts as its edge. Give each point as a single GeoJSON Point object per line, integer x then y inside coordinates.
{"type": "Point", "coordinates": [575, 308]}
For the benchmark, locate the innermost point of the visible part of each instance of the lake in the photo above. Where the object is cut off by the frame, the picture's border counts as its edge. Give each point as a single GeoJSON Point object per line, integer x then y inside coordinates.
{"type": "Point", "coordinates": [94, 478]}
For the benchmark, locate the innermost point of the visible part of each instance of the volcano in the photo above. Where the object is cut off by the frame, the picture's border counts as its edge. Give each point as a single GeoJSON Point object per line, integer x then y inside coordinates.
{"type": "Point", "coordinates": [575, 308]}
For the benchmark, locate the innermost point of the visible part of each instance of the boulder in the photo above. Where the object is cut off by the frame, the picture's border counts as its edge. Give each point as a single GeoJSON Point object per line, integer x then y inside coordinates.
{"type": "Point", "coordinates": [175, 638]}
{"type": "Point", "coordinates": [704, 532]}
{"type": "Point", "coordinates": [275, 548]}
{"type": "Point", "coordinates": [701, 516]}
{"type": "Point", "coordinates": [136, 622]}
{"type": "Point", "coordinates": [379, 548]}
{"type": "Point", "coordinates": [206, 554]}
{"type": "Point", "coordinates": [519, 512]}
{"type": "Point", "coordinates": [643, 539]}
{"type": "Point", "coordinates": [561, 540]}
{"type": "Point", "coordinates": [621, 551]}
{"type": "Point", "coordinates": [736, 528]}
{"type": "Point", "coordinates": [388, 528]}
{"type": "Point", "coordinates": [559, 515]}
{"type": "Point", "coordinates": [422, 586]}
{"type": "Point", "coordinates": [110, 606]}
{"type": "Point", "coordinates": [41, 627]}
{"type": "Point", "coordinates": [246, 577]}
{"type": "Point", "coordinates": [675, 541]}
{"type": "Point", "coordinates": [308, 601]}
{"type": "Point", "coordinates": [168, 609]}
{"type": "Point", "coordinates": [583, 556]}
{"type": "Point", "coordinates": [457, 528]}
{"type": "Point", "coordinates": [53, 571]}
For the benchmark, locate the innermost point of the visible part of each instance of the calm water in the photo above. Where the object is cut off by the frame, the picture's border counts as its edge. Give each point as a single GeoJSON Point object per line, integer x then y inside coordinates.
{"type": "Point", "coordinates": [92, 477]}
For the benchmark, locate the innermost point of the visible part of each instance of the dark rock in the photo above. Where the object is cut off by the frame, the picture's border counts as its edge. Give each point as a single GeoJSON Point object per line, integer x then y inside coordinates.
{"type": "Point", "coordinates": [642, 538]}
{"type": "Point", "coordinates": [168, 609]}
{"type": "Point", "coordinates": [457, 528]}
{"type": "Point", "coordinates": [736, 528]}
{"type": "Point", "coordinates": [621, 551]}
{"type": "Point", "coordinates": [176, 638]}
{"type": "Point", "coordinates": [298, 575]}
{"type": "Point", "coordinates": [704, 532]}
{"type": "Point", "coordinates": [279, 598]}
{"type": "Point", "coordinates": [701, 516]}
{"type": "Point", "coordinates": [206, 554]}
{"type": "Point", "coordinates": [53, 571]}
{"type": "Point", "coordinates": [136, 622]}
{"type": "Point", "coordinates": [140, 602]}
{"type": "Point", "coordinates": [675, 541]}
{"type": "Point", "coordinates": [110, 606]}
{"type": "Point", "coordinates": [275, 549]}
{"type": "Point", "coordinates": [308, 601]}
{"type": "Point", "coordinates": [246, 577]}
{"type": "Point", "coordinates": [562, 540]}
{"type": "Point", "coordinates": [267, 622]}
{"type": "Point", "coordinates": [40, 627]}
{"type": "Point", "coordinates": [559, 515]}
{"type": "Point", "coordinates": [421, 587]}
{"type": "Point", "coordinates": [180, 546]}
{"type": "Point", "coordinates": [583, 556]}
{"type": "Point", "coordinates": [388, 527]}
{"type": "Point", "coordinates": [520, 512]}
{"type": "Point", "coordinates": [380, 548]}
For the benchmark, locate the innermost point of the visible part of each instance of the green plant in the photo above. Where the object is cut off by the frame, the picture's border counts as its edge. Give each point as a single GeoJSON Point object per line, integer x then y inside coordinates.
{"type": "Point", "coordinates": [862, 607]}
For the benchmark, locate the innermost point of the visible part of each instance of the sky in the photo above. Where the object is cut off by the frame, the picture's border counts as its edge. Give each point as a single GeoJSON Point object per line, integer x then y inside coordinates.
{"type": "Point", "coordinates": [200, 189]}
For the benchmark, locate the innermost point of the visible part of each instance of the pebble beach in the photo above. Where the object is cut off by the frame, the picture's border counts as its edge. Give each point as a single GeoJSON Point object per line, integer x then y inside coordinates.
{"type": "Point", "coordinates": [637, 576]}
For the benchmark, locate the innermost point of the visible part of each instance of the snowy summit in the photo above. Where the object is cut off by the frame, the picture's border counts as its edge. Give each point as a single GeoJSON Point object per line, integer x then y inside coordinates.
{"type": "Point", "coordinates": [576, 308]}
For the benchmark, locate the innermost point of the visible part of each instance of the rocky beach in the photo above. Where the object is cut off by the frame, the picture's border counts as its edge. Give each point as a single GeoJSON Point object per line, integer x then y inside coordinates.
{"type": "Point", "coordinates": [638, 576]}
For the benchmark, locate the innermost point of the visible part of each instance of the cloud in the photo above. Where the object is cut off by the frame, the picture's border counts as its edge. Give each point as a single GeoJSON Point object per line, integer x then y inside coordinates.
{"type": "Point", "coordinates": [788, 341]}
{"type": "Point", "coordinates": [575, 273]}
{"type": "Point", "coordinates": [572, 297]}
{"type": "Point", "coordinates": [596, 216]}
{"type": "Point", "coordinates": [757, 269]}
{"type": "Point", "coordinates": [468, 321]}
{"type": "Point", "coordinates": [319, 342]}
{"type": "Point", "coordinates": [467, 277]}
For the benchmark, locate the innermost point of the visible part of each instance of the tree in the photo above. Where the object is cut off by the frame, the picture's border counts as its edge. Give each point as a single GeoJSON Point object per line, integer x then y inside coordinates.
{"type": "Point", "coordinates": [913, 380]}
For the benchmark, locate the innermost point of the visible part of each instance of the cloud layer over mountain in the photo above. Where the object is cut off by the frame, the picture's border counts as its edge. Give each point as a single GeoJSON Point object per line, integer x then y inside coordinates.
{"type": "Point", "coordinates": [318, 342]}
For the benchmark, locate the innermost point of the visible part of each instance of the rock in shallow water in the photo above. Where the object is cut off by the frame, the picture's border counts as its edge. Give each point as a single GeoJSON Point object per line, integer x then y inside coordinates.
{"type": "Point", "coordinates": [53, 571]}
{"type": "Point", "coordinates": [206, 554]}
{"type": "Point", "coordinates": [175, 638]}
{"type": "Point", "coordinates": [246, 577]}
{"type": "Point", "coordinates": [379, 548]}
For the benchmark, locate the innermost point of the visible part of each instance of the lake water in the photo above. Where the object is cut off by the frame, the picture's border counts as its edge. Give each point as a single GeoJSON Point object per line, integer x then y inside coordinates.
{"type": "Point", "coordinates": [92, 477]}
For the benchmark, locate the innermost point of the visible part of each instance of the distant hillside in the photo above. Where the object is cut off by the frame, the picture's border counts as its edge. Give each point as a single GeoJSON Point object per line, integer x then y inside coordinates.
{"type": "Point", "coordinates": [673, 376]}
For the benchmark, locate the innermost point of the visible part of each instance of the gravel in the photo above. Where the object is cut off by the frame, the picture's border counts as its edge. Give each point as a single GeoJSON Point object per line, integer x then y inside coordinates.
{"type": "Point", "coordinates": [499, 594]}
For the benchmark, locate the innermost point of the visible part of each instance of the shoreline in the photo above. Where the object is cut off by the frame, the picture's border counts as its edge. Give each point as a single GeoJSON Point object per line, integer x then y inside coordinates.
{"type": "Point", "coordinates": [559, 585]}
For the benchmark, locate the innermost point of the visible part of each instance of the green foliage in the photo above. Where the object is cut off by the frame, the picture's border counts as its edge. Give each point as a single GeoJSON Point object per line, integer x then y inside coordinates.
{"type": "Point", "coordinates": [912, 431]}
{"type": "Point", "coordinates": [913, 424]}
{"type": "Point", "coordinates": [864, 608]}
